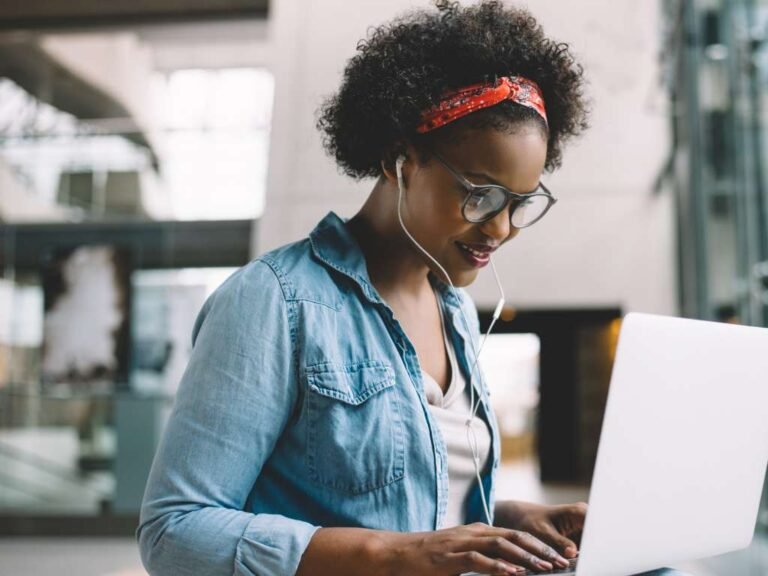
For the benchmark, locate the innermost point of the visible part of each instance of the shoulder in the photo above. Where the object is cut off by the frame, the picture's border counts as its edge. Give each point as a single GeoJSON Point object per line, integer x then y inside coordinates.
{"type": "Point", "coordinates": [302, 276]}
{"type": "Point", "coordinates": [254, 280]}
{"type": "Point", "coordinates": [242, 303]}
{"type": "Point", "coordinates": [290, 273]}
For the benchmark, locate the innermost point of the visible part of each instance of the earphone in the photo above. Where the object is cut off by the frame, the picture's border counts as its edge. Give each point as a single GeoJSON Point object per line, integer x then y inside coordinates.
{"type": "Point", "coordinates": [471, 437]}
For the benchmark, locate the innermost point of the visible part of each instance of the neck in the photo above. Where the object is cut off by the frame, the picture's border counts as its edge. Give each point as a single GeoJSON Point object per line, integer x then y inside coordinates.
{"type": "Point", "coordinates": [395, 266]}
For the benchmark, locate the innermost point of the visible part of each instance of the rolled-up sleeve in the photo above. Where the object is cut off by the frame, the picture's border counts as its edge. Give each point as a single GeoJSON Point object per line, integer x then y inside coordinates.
{"type": "Point", "coordinates": [233, 403]}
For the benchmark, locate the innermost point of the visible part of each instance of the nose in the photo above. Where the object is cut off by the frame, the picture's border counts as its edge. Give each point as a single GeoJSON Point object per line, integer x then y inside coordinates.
{"type": "Point", "coordinates": [499, 227]}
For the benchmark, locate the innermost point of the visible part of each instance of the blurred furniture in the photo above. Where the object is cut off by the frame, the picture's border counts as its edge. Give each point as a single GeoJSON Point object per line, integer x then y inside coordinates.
{"type": "Point", "coordinates": [577, 351]}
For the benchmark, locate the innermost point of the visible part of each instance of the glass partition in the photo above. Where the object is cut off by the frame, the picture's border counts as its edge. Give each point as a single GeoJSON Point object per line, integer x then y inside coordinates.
{"type": "Point", "coordinates": [717, 73]}
{"type": "Point", "coordinates": [128, 193]}
{"type": "Point", "coordinates": [77, 434]}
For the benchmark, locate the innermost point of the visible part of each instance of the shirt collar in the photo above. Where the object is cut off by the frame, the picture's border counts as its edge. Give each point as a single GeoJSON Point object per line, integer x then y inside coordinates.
{"type": "Point", "coordinates": [336, 247]}
{"type": "Point", "coordinates": [333, 244]}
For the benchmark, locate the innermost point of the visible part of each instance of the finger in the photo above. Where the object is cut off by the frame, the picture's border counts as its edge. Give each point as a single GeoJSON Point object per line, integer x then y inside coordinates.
{"type": "Point", "coordinates": [576, 512]}
{"type": "Point", "coordinates": [474, 561]}
{"type": "Point", "coordinates": [579, 515]}
{"type": "Point", "coordinates": [565, 546]}
{"type": "Point", "coordinates": [569, 519]}
{"type": "Point", "coordinates": [532, 544]}
{"type": "Point", "coordinates": [500, 547]}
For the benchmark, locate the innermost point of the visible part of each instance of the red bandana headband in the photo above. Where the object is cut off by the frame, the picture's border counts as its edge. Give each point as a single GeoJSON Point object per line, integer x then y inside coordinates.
{"type": "Point", "coordinates": [466, 100]}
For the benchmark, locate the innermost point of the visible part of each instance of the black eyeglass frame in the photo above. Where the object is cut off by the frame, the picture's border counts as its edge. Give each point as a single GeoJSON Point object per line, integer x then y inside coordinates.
{"type": "Point", "coordinates": [510, 196]}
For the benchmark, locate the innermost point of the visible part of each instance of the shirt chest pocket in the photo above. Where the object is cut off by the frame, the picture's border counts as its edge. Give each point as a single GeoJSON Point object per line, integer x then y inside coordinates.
{"type": "Point", "coordinates": [355, 434]}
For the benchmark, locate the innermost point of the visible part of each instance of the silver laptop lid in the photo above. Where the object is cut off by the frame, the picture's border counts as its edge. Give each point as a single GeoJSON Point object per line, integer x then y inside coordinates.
{"type": "Point", "coordinates": [684, 445]}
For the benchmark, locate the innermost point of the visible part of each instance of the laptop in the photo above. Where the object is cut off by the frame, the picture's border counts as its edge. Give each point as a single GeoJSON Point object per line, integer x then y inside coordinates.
{"type": "Point", "coordinates": [683, 450]}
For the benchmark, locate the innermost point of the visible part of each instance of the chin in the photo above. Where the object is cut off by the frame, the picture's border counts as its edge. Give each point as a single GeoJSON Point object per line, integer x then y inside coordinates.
{"type": "Point", "coordinates": [460, 278]}
{"type": "Point", "coordinates": [461, 274]}
{"type": "Point", "coordinates": [464, 279]}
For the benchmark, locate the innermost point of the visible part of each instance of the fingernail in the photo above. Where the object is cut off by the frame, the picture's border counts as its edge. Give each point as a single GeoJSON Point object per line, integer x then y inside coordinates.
{"type": "Point", "coordinates": [570, 551]}
{"type": "Point", "coordinates": [544, 565]}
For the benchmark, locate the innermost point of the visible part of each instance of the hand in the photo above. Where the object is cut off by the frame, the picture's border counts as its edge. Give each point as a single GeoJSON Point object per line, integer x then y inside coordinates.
{"type": "Point", "coordinates": [558, 526]}
{"type": "Point", "coordinates": [475, 547]}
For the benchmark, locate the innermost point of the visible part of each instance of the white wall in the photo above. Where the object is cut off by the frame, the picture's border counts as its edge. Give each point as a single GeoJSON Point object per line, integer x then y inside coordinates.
{"type": "Point", "coordinates": [115, 62]}
{"type": "Point", "coordinates": [206, 45]}
{"type": "Point", "coordinates": [608, 241]}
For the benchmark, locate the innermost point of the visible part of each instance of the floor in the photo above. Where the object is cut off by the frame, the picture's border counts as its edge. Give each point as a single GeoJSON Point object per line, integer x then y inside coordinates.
{"type": "Point", "coordinates": [76, 557]}
{"type": "Point", "coordinates": [119, 556]}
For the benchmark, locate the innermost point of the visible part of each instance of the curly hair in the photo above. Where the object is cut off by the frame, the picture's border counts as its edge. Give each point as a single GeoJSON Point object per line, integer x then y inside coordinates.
{"type": "Point", "coordinates": [404, 67]}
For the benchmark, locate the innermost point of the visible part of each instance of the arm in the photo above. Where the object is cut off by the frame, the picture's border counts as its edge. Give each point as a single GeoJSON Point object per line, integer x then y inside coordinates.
{"type": "Point", "coordinates": [343, 551]}
{"type": "Point", "coordinates": [476, 547]}
{"type": "Point", "coordinates": [232, 405]}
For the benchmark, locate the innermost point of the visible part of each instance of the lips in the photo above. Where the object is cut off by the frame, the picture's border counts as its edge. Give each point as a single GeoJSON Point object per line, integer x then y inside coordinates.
{"type": "Point", "coordinates": [476, 255]}
{"type": "Point", "coordinates": [480, 250]}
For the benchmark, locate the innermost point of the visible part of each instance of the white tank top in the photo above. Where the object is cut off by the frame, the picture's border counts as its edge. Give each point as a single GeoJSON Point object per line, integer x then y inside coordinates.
{"type": "Point", "coordinates": [451, 410]}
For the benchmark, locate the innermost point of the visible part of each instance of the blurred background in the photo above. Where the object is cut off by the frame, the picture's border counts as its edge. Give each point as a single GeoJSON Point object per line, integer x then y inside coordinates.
{"type": "Point", "coordinates": [150, 147]}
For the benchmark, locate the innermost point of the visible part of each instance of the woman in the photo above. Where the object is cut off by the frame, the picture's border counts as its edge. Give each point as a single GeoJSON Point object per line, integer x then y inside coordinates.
{"type": "Point", "coordinates": [322, 424]}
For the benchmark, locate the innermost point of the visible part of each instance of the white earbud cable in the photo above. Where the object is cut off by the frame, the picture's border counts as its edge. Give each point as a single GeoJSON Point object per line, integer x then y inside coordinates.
{"type": "Point", "coordinates": [471, 436]}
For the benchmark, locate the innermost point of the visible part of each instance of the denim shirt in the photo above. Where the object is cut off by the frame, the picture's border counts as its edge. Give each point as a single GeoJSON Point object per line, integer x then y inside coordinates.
{"type": "Point", "coordinates": [302, 407]}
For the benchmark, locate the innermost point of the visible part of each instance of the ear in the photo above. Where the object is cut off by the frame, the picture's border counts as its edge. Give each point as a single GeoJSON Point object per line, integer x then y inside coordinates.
{"type": "Point", "coordinates": [389, 161]}
{"type": "Point", "coordinates": [395, 172]}
{"type": "Point", "coordinates": [389, 166]}
{"type": "Point", "coordinates": [388, 170]}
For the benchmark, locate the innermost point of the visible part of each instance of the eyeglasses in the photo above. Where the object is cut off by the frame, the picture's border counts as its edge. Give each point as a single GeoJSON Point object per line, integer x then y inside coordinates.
{"type": "Point", "coordinates": [484, 202]}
